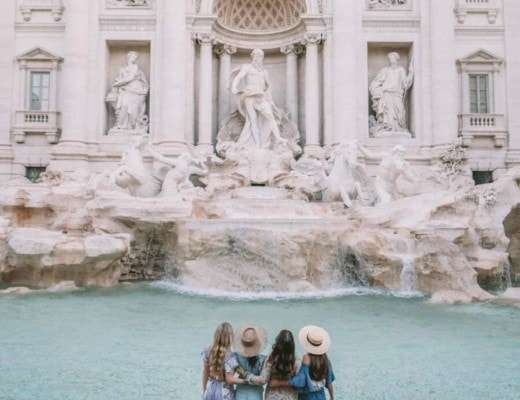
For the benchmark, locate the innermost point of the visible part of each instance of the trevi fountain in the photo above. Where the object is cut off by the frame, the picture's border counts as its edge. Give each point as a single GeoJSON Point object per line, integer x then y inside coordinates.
{"type": "Point", "coordinates": [268, 194]}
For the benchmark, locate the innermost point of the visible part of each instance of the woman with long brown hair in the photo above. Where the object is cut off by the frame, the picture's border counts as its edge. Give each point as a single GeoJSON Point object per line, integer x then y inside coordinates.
{"type": "Point", "coordinates": [316, 372]}
{"type": "Point", "coordinates": [281, 365]}
{"type": "Point", "coordinates": [220, 364]}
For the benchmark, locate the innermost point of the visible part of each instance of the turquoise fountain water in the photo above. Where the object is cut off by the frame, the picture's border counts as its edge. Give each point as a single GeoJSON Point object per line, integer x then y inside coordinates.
{"type": "Point", "coordinates": [144, 341]}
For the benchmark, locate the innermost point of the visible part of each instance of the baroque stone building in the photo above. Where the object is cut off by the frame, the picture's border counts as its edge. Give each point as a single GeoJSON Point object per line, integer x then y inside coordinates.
{"type": "Point", "coordinates": [61, 59]}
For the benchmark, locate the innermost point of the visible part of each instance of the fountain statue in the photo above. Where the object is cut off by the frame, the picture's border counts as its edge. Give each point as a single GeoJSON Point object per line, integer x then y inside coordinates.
{"type": "Point", "coordinates": [388, 93]}
{"type": "Point", "coordinates": [128, 98]}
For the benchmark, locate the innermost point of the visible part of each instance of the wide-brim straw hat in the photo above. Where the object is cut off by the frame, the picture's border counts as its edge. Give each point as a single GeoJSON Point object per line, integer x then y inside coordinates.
{"type": "Point", "coordinates": [314, 339]}
{"type": "Point", "coordinates": [250, 340]}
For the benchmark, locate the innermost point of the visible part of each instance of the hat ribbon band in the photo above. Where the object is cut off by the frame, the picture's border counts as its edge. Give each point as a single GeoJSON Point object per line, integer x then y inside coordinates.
{"type": "Point", "coordinates": [315, 343]}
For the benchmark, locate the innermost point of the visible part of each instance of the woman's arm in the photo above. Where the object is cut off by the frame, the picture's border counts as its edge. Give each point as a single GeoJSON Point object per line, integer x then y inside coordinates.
{"type": "Point", "coordinates": [230, 378]}
{"type": "Point", "coordinates": [205, 374]}
{"type": "Point", "coordinates": [331, 391]}
{"type": "Point", "coordinates": [279, 383]}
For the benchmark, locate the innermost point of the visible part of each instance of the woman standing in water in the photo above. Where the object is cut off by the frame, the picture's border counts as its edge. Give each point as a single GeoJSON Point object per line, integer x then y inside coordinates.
{"type": "Point", "coordinates": [250, 340]}
{"type": "Point", "coordinates": [219, 367]}
{"type": "Point", "coordinates": [316, 372]}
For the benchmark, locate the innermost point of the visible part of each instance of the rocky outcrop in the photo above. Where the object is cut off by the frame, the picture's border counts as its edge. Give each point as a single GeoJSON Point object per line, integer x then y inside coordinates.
{"type": "Point", "coordinates": [512, 231]}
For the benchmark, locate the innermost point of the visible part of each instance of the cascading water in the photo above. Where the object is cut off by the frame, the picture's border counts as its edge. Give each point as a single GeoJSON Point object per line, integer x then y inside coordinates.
{"type": "Point", "coordinates": [408, 272]}
{"type": "Point", "coordinates": [353, 267]}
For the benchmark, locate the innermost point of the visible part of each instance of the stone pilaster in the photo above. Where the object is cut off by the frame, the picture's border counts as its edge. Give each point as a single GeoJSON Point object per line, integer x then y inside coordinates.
{"type": "Point", "coordinates": [291, 79]}
{"type": "Point", "coordinates": [70, 153]}
{"type": "Point", "coordinates": [7, 49]}
{"type": "Point", "coordinates": [224, 52]}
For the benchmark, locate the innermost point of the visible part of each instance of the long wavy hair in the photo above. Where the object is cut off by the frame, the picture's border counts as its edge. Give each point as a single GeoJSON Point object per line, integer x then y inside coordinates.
{"type": "Point", "coordinates": [221, 345]}
{"type": "Point", "coordinates": [319, 366]}
{"type": "Point", "coordinates": [283, 356]}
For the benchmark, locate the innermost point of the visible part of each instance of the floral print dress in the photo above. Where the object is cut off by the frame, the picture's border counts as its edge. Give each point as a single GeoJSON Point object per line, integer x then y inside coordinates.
{"type": "Point", "coordinates": [216, 389]}
{"type": "Point", "coordinates": [279, 393]}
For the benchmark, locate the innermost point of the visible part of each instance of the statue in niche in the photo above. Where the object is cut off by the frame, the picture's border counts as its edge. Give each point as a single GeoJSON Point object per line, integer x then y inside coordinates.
{"type": "Point", "coordinates": [388, 92]}
{"type": "Point", "coordinates": [167, 179]}
{"type": "Point", "coordinates": [348, 180]}
{"type": "Point", "coordinates": [128, 97]}
{"type": "Point", "coordinates": [392, 166]}
{"type": "Point", "coordinates": [257, 123]}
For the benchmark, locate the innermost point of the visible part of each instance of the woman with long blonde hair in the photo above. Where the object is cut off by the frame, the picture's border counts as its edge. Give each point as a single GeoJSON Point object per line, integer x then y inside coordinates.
{"type": "Point", "coordinates": [220, 364]}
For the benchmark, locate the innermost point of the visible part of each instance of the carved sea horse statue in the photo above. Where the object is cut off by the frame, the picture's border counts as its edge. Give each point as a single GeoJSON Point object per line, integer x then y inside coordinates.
{"type": "Point", "coordinates": [171, 176]}
{"type": "Point", "coordinates": [347, 180]}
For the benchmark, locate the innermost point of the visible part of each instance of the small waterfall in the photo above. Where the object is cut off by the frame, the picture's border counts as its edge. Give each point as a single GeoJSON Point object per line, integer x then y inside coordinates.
{"type": "Point", "coordinates": [353, 267]}
{"type": "Point", "coordinates": [506, 276]}
{"type": "Point", "coordinates": [408, 273]}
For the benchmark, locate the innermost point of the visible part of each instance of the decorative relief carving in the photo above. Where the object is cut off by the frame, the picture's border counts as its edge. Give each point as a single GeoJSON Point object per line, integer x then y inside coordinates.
{"type": "Point", "coordinates": [391, 25]}
{"type": "Point", "coordinates": [386, 4]}
{"type": "Point", "coordinates": [55, 7]}
{"type": "Point", "coordinates": [129, 3]}
{"type": "Point", "coordinates": [292, 48]}
{"type": "Point", "coordinates": [259, 14]}
{"type": "Point", "coordinates": [224, 48]}
{"type": "Point", "coordinates": [126, 23]}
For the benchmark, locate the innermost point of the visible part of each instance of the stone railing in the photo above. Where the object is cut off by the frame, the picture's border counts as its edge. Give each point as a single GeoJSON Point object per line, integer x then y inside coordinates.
{"type": "Point", "coordinates": [55, 7]}
{"type": "Point", "coordinates": [465, 7]}
{"type": "Point", "coordinates": [482, 125]}
{"type": "Point", "coordinates": [47, 122]}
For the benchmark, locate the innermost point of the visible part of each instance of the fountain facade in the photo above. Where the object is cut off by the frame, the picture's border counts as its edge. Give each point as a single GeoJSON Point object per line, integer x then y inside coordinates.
{"type": "Point", "coordinates": [269, 145]}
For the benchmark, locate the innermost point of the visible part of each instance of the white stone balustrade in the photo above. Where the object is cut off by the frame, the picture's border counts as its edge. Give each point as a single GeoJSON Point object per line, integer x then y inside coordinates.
{"type": "Point", "coordinates": [465, 7]}
{"type": "Point", "coordinates": [47, 122]}
{"type": "Point", "coordinates": [55, 7]}
{"type": "Point", "coordinates": [482, 125]}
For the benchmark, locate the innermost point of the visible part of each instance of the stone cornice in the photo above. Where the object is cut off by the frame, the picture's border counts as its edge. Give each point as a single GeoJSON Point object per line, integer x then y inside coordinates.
{"type": "Point", "coordinates": [39, 28]}
{"type": "Point", "coordinates": [479, 31]}
{"type": "Point", "coordinates": [410, 24]}
{"type": "Point", "coordinates": [127, 23]}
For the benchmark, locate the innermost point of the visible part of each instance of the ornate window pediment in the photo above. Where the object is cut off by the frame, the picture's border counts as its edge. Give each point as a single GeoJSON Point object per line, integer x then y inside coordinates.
{"type": "Point", "coordinates": [39, 54]}
{"type": "Point", "coordinates": [480, 57]}
{"type": "Point", "coordinates": [465, 7]}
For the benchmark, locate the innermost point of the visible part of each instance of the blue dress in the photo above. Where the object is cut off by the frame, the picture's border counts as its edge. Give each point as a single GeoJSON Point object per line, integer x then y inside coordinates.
{"type": "Point", "coordinates": [250, 392]}
{"type": "Point", "coordinates": [216, 389]}
{"type": "Point", "coordinates": [309, 389]}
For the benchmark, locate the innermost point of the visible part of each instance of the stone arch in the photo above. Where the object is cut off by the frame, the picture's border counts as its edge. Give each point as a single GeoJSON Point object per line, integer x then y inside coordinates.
{"type": "Point", "coordinates": [258, 15]}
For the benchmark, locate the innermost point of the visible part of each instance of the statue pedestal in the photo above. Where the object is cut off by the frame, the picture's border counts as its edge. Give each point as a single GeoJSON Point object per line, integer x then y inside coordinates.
{"type": "Point", "coordinates": [260, 193]}
{"type": "Point", "coordinates": [127, 132]}
{"type": "Point", "coordinates": [392, 134]}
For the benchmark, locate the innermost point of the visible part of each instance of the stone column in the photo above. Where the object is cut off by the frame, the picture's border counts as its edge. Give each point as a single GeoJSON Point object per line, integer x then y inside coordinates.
{"type": "Point", "coordinates": [70, 153]}
{"type": "Point", "coordinates": [291, 79]}
{"type": "Point", "coordinates": [312, 95]}
{"type": "Point", "coordinates": [205, 93]}
{"type": "Point", "coordinates": [328, 84]}
{"type": "Point", "coordinates": [7, 49]}
{"type": "Point", "coordinates": [224, 52]}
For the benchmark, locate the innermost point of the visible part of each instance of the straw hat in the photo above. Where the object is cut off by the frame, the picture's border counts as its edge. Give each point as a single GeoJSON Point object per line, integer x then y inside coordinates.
{"type": "Point", "coordinates": [314, 340]}
{"type": "Point", "coordinates": [250, 340]}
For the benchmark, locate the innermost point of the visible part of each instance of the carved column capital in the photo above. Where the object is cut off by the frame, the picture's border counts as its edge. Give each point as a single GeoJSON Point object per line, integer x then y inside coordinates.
{"type": "Point", "coordinates": [295, 49]}
{"type": "Point", "coordinates": [224, 48]}
{"type": "Point", "coordinates": [313, 38]}
{"type": "Point", "coordinates": [203, 37]}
